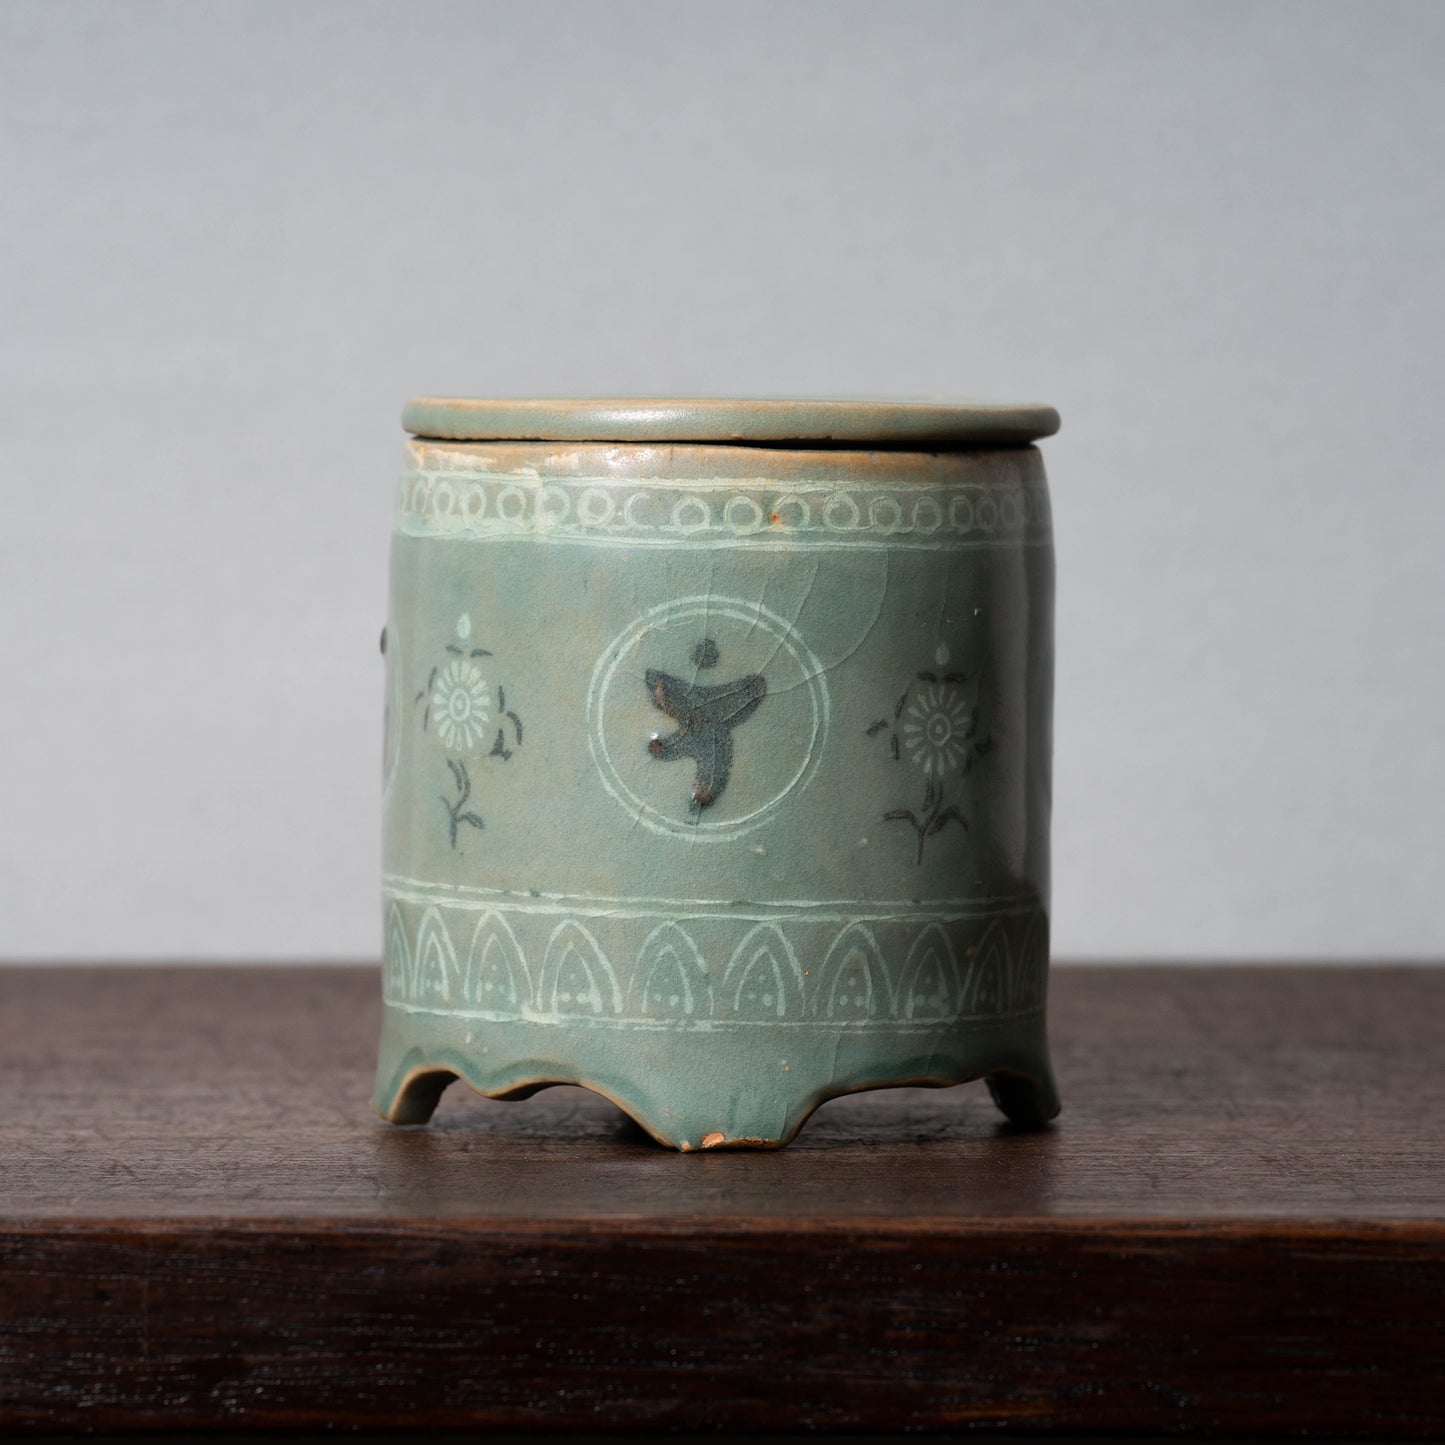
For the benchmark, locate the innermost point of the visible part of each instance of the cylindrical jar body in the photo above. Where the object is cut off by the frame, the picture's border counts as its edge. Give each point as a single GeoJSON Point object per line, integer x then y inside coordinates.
{"type": "Point", "coordinates": [717, 778]}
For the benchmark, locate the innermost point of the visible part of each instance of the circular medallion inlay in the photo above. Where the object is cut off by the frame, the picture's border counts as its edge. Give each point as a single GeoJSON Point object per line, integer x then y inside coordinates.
{"type": "Point", "coordinates": [705, 715]}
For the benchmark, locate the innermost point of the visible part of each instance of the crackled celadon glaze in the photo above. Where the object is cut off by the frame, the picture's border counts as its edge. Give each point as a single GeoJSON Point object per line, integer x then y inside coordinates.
{"type": "Point", "coordinates": [716, 778]}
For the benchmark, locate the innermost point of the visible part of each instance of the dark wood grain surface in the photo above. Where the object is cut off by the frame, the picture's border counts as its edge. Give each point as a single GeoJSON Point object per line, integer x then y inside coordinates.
{"type": "Point", "coordinates": [1237, 1224]}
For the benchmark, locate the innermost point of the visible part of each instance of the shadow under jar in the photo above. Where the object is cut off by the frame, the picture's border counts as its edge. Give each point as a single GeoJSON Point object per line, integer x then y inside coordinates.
{"type": "Point", "coordinates": [717, 759]}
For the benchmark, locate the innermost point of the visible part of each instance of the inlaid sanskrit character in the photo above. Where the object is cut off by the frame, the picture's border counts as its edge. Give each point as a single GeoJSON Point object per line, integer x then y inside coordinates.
{"type": "Point", "coordinates": [706, 715]}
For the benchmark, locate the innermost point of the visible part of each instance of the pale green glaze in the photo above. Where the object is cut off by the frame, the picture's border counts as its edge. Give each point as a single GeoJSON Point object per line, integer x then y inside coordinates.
{"type": "Point", "coordinates": [718, 908]}
{"type": "Point", "coordinates": [919, 425]}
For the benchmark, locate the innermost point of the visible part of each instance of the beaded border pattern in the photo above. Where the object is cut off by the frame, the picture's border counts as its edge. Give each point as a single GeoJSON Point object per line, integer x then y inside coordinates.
{"type": "Point", "coordinates": [485, 506]}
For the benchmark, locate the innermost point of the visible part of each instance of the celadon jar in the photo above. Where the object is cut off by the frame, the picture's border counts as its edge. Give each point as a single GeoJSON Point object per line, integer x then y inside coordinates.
{"type": "Point", "coordinates": [717, 757]}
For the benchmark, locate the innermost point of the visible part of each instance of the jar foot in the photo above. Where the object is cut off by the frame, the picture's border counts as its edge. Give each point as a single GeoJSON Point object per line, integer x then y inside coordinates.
{"type": "Point", "coordinates": [1026, 1099]}
{"type": "Point", "coordinates": [415, 1098]}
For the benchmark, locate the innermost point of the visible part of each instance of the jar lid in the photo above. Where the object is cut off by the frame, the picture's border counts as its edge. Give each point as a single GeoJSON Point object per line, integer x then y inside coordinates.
{"type": "Point", "coordinates": [888, 425]}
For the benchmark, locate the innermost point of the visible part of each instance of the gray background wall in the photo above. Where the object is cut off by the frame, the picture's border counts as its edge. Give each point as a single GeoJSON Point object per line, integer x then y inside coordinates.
{"type": "Point", "coordinates": [236, 236]}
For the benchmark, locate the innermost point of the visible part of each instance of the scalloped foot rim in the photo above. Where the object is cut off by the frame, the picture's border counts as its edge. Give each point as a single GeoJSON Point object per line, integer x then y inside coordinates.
{"type": "Point", "coordinates": [738, 1088]}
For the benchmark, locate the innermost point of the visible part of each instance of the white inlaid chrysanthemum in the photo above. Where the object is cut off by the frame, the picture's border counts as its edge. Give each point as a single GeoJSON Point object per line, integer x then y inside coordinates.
{"type": "Point", "coordinates": [935, 729]}
{"type": "Point", "coordinates": [461, 703]}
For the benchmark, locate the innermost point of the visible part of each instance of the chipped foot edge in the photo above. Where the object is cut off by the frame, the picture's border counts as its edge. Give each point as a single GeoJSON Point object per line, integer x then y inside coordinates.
{"type": "Point", "coordinates": [699, 1106]}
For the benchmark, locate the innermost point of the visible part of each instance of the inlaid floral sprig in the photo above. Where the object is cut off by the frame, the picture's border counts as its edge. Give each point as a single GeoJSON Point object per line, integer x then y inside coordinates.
{"type": "Point", "coordinates": [458, 701]}
{"type": "Point", "coordinates": [455, 813]}
{"type": "Point", "coordinates": [934, 727]}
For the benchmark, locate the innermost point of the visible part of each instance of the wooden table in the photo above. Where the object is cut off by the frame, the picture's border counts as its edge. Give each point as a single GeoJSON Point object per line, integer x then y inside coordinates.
{"type": "Point", "coordinates": [1237, 1225]}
